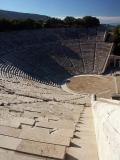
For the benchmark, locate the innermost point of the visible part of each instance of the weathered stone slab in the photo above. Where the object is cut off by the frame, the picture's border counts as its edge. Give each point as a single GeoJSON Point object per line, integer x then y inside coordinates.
{"type": "Point", "coordinates": [62, 132]}
{"type": "Point", "coordinates": [10, 123]}
{"type": "Point", "coordinates": [9, 142]}
{"type": "Point", "coordinates": [24, 120]}
{"type": "Point", "coordinates": [86, 128]}
{"type": "Point", "coordinates": [9, 131]}
{"type": "Point", "coordinates": [34, 108]}
{"type": "Point", "coordinates": [42, 119]}
{"type": "Point", "coordinates": [30, 114]}
{"type": "Point", "coordinates": [52, 117]}
{"type": "Point", "coordinates": [16, 108]}
{"type": "Point", "coordinates": [85, 142]}
{"type": "Point", "coordinates": [81, 153]}
{"type": "Point", "coordinates": [42, 149]}
{"type": "Point", "coordinates": [35, 129]}
{"type": "Point", "coordinates": [21, 156]}
{"type": "Point", "coordinates": [42, 136]}
{"type": "Point", "coordinates": [6, 154]}
{"type": "Point", "coordinates": [4, 112]}
{"type": "Point", "coordinates": [64, 124]}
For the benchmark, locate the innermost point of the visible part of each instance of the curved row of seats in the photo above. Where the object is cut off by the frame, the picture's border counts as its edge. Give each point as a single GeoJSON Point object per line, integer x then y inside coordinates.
{"type": "Point", "coordinates": [39, 121]}
{"type": "Point", "coordinates": [52, 55]}
{"type": "Point", "coordinates": [84, 58]}
{"type": "Point", "coordinates": [47, 35]}
{"type": "Point", "coordinates": [39, 115]}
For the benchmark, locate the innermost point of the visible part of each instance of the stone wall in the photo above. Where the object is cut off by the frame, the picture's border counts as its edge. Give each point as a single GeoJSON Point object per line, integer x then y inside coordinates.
{"type": "Point", "coordinates": [106, 115]}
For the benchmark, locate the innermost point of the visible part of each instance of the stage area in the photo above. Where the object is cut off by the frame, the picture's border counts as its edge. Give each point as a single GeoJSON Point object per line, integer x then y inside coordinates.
{"type": "Point", "coordinates": [102, 86]}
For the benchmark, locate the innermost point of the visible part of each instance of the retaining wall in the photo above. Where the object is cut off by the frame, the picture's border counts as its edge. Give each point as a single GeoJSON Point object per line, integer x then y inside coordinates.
{"type": "Point", "coordinates": [107, 127]}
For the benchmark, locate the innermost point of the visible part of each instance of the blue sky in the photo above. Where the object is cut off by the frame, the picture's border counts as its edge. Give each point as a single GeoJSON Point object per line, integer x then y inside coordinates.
{"type": "Point", "coordinates": [61, 8]}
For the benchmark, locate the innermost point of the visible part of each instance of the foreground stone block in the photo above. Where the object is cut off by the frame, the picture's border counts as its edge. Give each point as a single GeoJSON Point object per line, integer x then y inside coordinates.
{"type": "Point", "coordinates": [6, 154]}
{"type": "Point", "coordinates": [22, 156]}
{"type": "Point", "coordinates": [34, 134]}
{"type": "Point", "coordinates": [8, 131]}
{"type": "Point", "coordinates": [30, 114]}
{"type": "Point", "coordinates": [10, 123]}
{"type": "Point", "coordinates": [13, 155]}
{"type": "Point", "coordinates": [63, 124]}
{"type": "Point", "coordinates": [42, 149]}
{"type": "Point", "coordinates": [23, 120]}
{"type": "Point", "coordinates": [9, 142]}
{"type": "Point", "coordinates": [81, 154]}
{"type": "Point", "coordinates": [62, 132]}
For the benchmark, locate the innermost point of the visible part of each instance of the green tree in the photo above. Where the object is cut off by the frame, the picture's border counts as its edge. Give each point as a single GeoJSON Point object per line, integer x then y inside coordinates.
{"type": "Point", "coordinates": [54, 23]}
{"type": "Point", "coordinates": [70, 21]}
{"type": "Point", "coordinates": [5, 25]}
{"type": "Point", "coordinates": [28, 24]}
{"type": "Point", "coordinates": [79, 22]}
{"type": "Point", "coordinates": [88, 21]}
{"type": "Point", "coordinates": [39, 24]}
{"type": "Point", "coordinates": [91, 21]}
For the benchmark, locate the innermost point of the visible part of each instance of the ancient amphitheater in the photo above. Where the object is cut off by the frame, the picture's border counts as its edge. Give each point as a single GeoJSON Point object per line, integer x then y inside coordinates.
{"type": "Point", "coordinates": [44, 118]}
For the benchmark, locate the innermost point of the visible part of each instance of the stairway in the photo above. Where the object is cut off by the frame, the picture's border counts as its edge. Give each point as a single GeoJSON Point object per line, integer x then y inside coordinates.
{"type": "Point", "coordinates": [84, 142]}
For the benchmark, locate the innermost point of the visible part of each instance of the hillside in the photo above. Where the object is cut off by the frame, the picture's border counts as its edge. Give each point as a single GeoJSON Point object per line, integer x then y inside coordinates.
{"type": "Point", "coordinates": [17, 15]}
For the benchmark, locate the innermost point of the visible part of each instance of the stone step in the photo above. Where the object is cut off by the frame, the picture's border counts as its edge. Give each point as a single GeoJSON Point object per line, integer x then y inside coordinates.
{"type": "Point", "coordinates": [10, 143]}
{"type": "Point", "coordinates": [83, 133]}
{"type": "Point", "coordinates": [22, 156]}
{"type": "Point", "coordinates": [10, 123]}
{"type": "Point", "coordinates": [56, 136]}
{"type": "Point", "coordinates": [83, 142]}
{"type": "Point", "coordinates": [16, 122]}
{"type": "Point", "coordinates": [74, 153]}
{"type": "Point", "coordinates": [6, 154]}
{"type": "Point", "coordinates": [63, 132]}
{"type": "Point", "coordinates": [34, 134]}
{"type": "Point", "coordinates": [12, 155]}
{"type": "Point", "coordinates": [9, 131]}
{"type": "Point", "coordinates": [64, 124]}
{"type": "Point", "coordinates": [32, 148]}
{"type": "Point", "coordinates": [42, 149]}
{"type": "Point", "coordinates": [83, 145]}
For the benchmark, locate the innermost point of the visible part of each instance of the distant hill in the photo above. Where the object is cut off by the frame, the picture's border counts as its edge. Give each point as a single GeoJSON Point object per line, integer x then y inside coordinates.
{"type": "Point", "coordinates": [18, 15]}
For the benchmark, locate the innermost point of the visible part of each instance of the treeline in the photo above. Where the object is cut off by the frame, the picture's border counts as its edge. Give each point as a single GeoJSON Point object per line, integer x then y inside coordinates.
{"type": "Point", "coordinates": [116, 35]}
{"type": "Point", "coordinates": [87, 21]}
{"type": "Point", "coordinates": [7, 25]}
